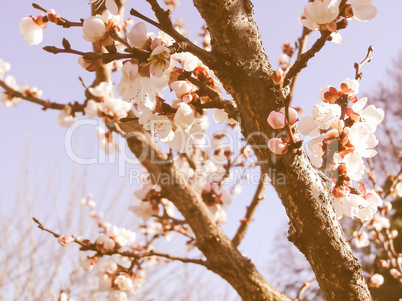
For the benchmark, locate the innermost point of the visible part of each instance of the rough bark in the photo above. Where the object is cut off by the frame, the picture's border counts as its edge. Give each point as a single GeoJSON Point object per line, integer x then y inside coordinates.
{"type": "Point", "coordinates": [222, 257]}
{"type": "Point", "coordinates": [244, 70]}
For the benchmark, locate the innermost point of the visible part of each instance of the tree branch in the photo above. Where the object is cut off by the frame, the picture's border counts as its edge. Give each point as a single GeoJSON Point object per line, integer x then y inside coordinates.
{"type": "Point", "coordinates": [76, 107]}
{"type": "Point", "coordinates": [171, 257]}
{"type": "Point", "coordinates": [245, 222]}
{"type": "Point", "coordinates": [166, 25]}
{"type": "Point", "coordinates": [245, 72]}
{"type": "Point", "coordinates": [367, 59]}
{"type": "Point", "coordinates": [222, 257]}
{"type": "Point", "coordinates": [302, 44]}
{"type": "Point", "coordinates": [301, 63]}
{"type": "Point", "coordinates": [217, 101]}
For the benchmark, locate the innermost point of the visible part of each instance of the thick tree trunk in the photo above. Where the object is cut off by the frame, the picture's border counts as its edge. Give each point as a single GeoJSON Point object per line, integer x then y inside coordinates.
{"type": "Point", "coordinates": [243, 68]}
{"type": "Point", "coordinates": [222, 257]}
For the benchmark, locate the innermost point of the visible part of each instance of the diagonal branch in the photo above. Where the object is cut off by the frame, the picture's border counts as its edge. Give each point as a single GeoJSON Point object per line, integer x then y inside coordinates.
{"type": "Point", "coordinates": [76, 107]}
{"type": "Point", "coordinates": [217, 101]}
{"type": "Point", "coordinates": [302, 44]}
{"type": "Point", "coordinates": [222, 257]}
{"type": "Point", "coordinates": [301, 63]}
{"type": "Point", "coordinates": [165, 24]}
{"type": "Point", "coordinates": [245, 222]}
{"type": "Point", "coordinates": [171, 257]}
{"type": "Point", "coordinates": [87, 246]}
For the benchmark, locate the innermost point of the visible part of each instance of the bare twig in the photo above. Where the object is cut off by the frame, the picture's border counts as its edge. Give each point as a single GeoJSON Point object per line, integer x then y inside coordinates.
{"type": "Point", "coordinates": [304, 288]}
{"type": "Point", "coordinates": [40, 226]}
{"type": "Point", "coordinates": [167, 256]}
{"type": "Point", "coordinates": [131, 254]}
{"type": "Point", "coordinates": [94, 56]}
{"type": "Point", "coordinates": [302, 44]}
{"type": "Point", "coordinates": [60, 21]}
{"type": "Point", "coordinates": [301, 63]}
{"type": "Point", "coordinates": [75, 107]}
{"type": "Point", "coordinates": [241, 232]}
{"type": "Point", "coordinates": [367, 59]}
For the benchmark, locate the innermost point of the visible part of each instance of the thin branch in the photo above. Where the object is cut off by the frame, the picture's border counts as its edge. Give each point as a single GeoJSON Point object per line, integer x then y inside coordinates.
{"type": "Point", "coordinates": [245, 222]}
{"type": "Point", "coordinates": [130, 254]}
{"type": "Point", "coordinates": [93, 56]}
{"type": "Point", "coordinates": [75, 107]}
{"type": "Point", "coordinates": [301, 63]}
{"type": "Point", "coordinates": [165, 24]}
{"type": "Point", "coordinates": [40, 226]}
{"type": "Point", "coordinates": [217, 101]}
{"type": "Point", "coordinates": [301, 49]}
{"type": "Point", "coordinates": [304, 288]}
{"type": "Point", "coordinates": [60, 21]}
{"type": "Point", "coordinates": [171, 257]}
{"type": "Point", "coordinates": [367, 59]}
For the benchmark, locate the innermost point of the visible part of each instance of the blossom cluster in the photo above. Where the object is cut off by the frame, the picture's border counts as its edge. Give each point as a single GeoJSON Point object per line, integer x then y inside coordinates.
{"type": "Point", "coordinates": [378, 236]}
{"type": "Point", "coordinates": [343, 135]}
{"type": "Point", "coordinates": [10, 99]}
{"type": "Point", "coordinates": [110, 257]}
{"type": "Point", "coordinates": [331, 16]}
{"type": "Point", "coordinates": [206, 172]}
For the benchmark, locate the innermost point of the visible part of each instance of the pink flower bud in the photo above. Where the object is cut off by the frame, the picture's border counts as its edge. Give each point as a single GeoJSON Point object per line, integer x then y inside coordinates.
{"type": "Point", "coordinates": [155, 43]}
{"type": "Point", "coordinates": [181, 87]}
{"type": "Point", "coordinates": [376, 280]}
{"type": "Point", "coordinates": [94, 29]}
{"type": "Point", "coordinates": [276, 120]}
{"type": "Point", "coordinates": [278, 76]}
{"type": "Point", "coordinates": [383, 263]}
{"type": "Point", "coordinates": [277, 146]}
{"type": "Point", "coordinates": [137, 36]}
{"type": "Point", "coordinates": [329, 94]}
{"type": "Point", "coordinates": [89, 65]}
{"type": "Point", "coordinates": [349, 86]}
{"type": "Point", "coordinates": [393, 234]}
{"type": "Point", "coordinates": [387, 206]}
{"type": "Point", "coordinates": [53, 16]}
{"type": "Point", "coordinates": [130, 69]}
{"type": "Point", "coordinates": [395, 273]}
{"type": "Point", "coordinates": [293, 115]}
{"type": "Point", "coordinates": [64, 240]}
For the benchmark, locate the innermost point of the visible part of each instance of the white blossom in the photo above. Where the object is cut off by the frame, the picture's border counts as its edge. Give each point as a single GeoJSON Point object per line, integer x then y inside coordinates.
{"type": "Point", "coordinates": [105, 264]}
{"type": "Point", "coordinates": [123, 283]}
{"type": "Point", "coordinates": [160, 60]}
{"type": "Point", "coordinates": [376, 280]}
{"type": "Point", "coordinates": [5, 98]}
{"type": "Point", "coordinates": [320, 12]}
{"type": "Point", "coordinates": [361, 240]}
{"type": "Point", "coordinates": [363, 10]}
{"type": "Point", "coordinates": [4, 67]}
{"type": "Point", "coordinates": [363, 140]}
{"type": "Point", "coordinates": [370, 116]}
{"type": "Point", "coordinates": [32, 32]}
{"type": "Point", "coordinates": [65, 117]}
{"type": "Point", "coordinates": [117, 295]}
{"type": "Point", "coordinates": [91, 109]}
{"type": "Point", "coordinates": [187, 60]}
{"type": "Point", "coordinates": [184, 115]}
{"type": "Point", "coordinates": [104, 282]}
{"type": "Point", "coordinates": [94, 29]}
